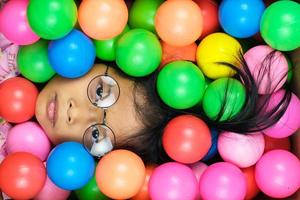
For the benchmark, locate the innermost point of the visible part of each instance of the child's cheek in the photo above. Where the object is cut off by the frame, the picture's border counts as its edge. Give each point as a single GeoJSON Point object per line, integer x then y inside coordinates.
{"type": "Point", "coordinates": [8, 59]}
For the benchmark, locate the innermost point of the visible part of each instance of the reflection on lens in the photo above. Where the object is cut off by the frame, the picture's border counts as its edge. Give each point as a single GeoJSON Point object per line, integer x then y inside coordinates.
{"type": "Point", "coordinates": [97, 141]}
{"type": "Point", "coordinates": [103, 91]}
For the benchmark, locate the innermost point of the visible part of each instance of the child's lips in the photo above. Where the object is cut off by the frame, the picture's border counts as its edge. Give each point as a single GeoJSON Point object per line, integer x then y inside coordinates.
{"type": "Point", "coordinates": [52, 108]}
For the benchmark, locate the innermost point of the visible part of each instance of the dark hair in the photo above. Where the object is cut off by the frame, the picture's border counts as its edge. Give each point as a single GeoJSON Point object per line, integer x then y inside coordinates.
{"type": "Point", "coordinates": [155, 115]}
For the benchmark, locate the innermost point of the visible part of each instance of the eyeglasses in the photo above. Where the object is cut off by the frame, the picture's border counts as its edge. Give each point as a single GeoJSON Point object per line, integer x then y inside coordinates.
{"type": "Point", "coordinates": [103, 91]}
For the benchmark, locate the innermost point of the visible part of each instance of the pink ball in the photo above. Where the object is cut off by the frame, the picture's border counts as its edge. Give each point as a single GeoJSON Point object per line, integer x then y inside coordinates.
{"type": "Point", "coordinates": [28, 137]}
{"type": "Point", "coordinates": [198, 169]}
{"type": "Point", "coordinates": [173, 181]}
{"type": "Point", "coordinates": [223, 181]}
{"type": "Point", "coordinates": [269, 78]}
{"type": "Point", "coordinates": [14, 24]}
{"type": "Point", "coordinates": [241, 150]}
{"type": "Point", "coordinates": [50, 191]}
{"type": "Point", "coordinates": [289, 123]}
{"type": "Point", "coordinates": [277, 173]}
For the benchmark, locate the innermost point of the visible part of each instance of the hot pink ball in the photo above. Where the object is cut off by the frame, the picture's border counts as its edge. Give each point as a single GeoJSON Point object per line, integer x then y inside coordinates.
{"type": "Point", "coordinates": [277, 173]}
{"type": "Point", "coordinates": [14, 25]}
{"type": "Point", "coordinates": [268, 77]}
{"type": "Point", "coordinates": [173, 181]}
{"type": "Point", "coordinates": [28, 137]}
{"type": "Point", "coordinates": [289, 123]}
{"type": "Point", "coordinates": [198, 169]}
{"type": "Point", "coordinates": [50, 191]}
{"type": "Point", "coordinates": [241, 150]}
{"type": "Point", "coordinates": [223, 181]}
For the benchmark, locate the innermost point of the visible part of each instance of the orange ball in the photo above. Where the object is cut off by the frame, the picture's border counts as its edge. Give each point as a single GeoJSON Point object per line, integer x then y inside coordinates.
{"type": "Point", "coordinates": [178, 22]}
{"type": "Point", "coordinates": [102, 19]}
{"type": "Point", "coordinates": [120, 174]}
{"type": "Point", "coordinates": [144, 193]}
{"type": "Point", "coordinates": [174, 53]}
{"type": "Point", "coordinates": [252, 189]}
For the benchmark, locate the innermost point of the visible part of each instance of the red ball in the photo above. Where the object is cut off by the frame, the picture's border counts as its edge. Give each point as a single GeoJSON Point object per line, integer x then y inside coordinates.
{"type": "Point", "coordinates": [18, 97]}
{"type": "Point", "coordinates": [22, 175]}
{"type": "Point", "coordinates": [210, 15]}
{"type": "Point", "coordinates": [277, 143]}
{"type": "Point", "coordinates": [186, 139]}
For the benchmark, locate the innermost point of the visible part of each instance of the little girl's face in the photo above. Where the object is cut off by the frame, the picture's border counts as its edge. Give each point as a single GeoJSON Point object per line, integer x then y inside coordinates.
{"type": "Point", "coordinates": [64, 110]}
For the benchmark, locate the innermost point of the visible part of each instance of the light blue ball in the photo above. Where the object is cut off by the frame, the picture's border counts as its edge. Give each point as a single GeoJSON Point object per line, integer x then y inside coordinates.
{"type": "Point", "coordinates": [241, 18]}
{"type": "Point", "coordinates": [70, 166]}
{"type": "Point", "coordinates": [73, 55]}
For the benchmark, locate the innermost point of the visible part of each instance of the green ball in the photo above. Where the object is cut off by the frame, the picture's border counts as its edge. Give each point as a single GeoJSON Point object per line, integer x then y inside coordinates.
{"type": "Point", "coordinates": [280, 25]}
{"type": "Point", "coordinates": [138, 52]}
{"type": "Point", "coordinates": [52, 19]}
{"type": "Point", "coordinates": [105, 49]}
{"type": "Point", "coordinates": [142, 14]}
{"type": "Point", "coordinates": [290, 72]}
{"type": "Point", "coordinates": [33, 62]}
{"type": "Point", "coordinates": [181, 84]}
{"type": "Point", "coordinates": [90, 191]}
{"type": "Point", "coordinates": [224, 98]}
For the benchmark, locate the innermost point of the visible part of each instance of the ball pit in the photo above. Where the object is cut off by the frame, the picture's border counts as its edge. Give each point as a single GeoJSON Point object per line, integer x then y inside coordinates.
{"type": "Point", "coordinates": [182, 50]}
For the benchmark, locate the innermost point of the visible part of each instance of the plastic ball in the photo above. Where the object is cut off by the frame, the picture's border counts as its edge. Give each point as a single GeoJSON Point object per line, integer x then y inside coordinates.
{"type": "Point", "coordinates": [18, 97]}
{"type": "Point", "coordinates": [215, 49]}
{"type": "Point", "coordinates": [35, 68]}
{"type": "Point", "coordinates": [138, 52]}
{"type": "Point", "coordinates": [223, 99]}
{"type": "Point", "coordinates": [173, 181]}
{"type": "Point", "coordinates": [289, 123]}
{"type": "Point", "coordinates": [279, 25]}
{"type": "Point", "coordinates": [120, 174]}
{"type": "Point", "coordinates": [8, 59]}
{"type": "Point", "coordinates": [180, 84]}
{"type": "Point", "coordinates": [28, 137]}
{"type": "Point", "coordinates": [213, 150]}
{"type": "Point", "coordinates": [198, 169]}
{"type": "Point", "coordinates": [144, 191]}
{"type": "Point", "coordinates": [50, 191]}
{"type": "Point", "coordinates": [142, 14]}
{"type": "Point", "coordinates": [223, 181]}
{"type": "Point", "coordinates": [277, 143]}
{"type": "Point", "coordinates": [186, 139]}
{"type": "Point", "coordinates": [70, 166]}
{"type": "Point", "coordinates": [241, 18]}
{"type": "Point", "coordinates": [52, 19]}
{"type": "Point", "coordinates": [179, 23]}
{"type": "Point", "coordinates": [175, 53]}
{"type": "Point", "coordinates": [252, 189]}
{"type": "Point", "coordinates": [277, 173]}
{"type": "Point", "coordinates": [90, 191]}
{"type": "Point", "coordinates": [106, 49]}
{"type": "Point", "coordinates": [22, 175]}
{"type": "Point", "coordinates": [234, 146]}
{"type": "Point", "coordinates": [14, 25]}
{"type": "Point", "coordinates": [73, 55]}
{"type": "Point", "coordinates": [268, 70]}
{"type": "Point", "coordinates": [102, 20]}
{"type": "Point", "coordinates": [209, 10]}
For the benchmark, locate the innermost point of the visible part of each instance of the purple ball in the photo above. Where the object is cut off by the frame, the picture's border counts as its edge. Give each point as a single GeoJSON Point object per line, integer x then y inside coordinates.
{"type": "Point", "coordinates": [173, 181]}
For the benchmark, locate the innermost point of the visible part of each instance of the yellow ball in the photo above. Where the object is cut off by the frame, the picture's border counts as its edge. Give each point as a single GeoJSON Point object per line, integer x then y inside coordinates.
{"type": "Point", "coordinates": [216, 48]}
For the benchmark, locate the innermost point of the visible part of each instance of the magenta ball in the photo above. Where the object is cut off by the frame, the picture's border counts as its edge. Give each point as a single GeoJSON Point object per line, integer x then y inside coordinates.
{"type": "Point", "coordinates": [243, 150]}
{"type": "Point", "coordinates": [277, 173]}
{"type": "Point", "coordinates": [28, 137]}
{"type": "Point", "coordinates": [14, 25]}
{"type": "Point", "coordinates": [269, 72]}
{"type": "Point", "coordinates": [223, 181]}
{"type": "Point", "coordinates": [289, 123]}
{"type": "Point", "coordinates": [50, 191]}
{"type": "Point", "coordinates": [173, 181]}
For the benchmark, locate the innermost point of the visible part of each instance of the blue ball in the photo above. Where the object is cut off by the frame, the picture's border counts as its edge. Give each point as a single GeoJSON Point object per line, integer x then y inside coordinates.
{"type": "Point", "coordinates": [70, 166]}
{"type": "Point", "coordinates": [73, 55]}
{"type": "Point", "coordinates": [241, 18]}
{"type": "Point", "coordinates": [212, 152]}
